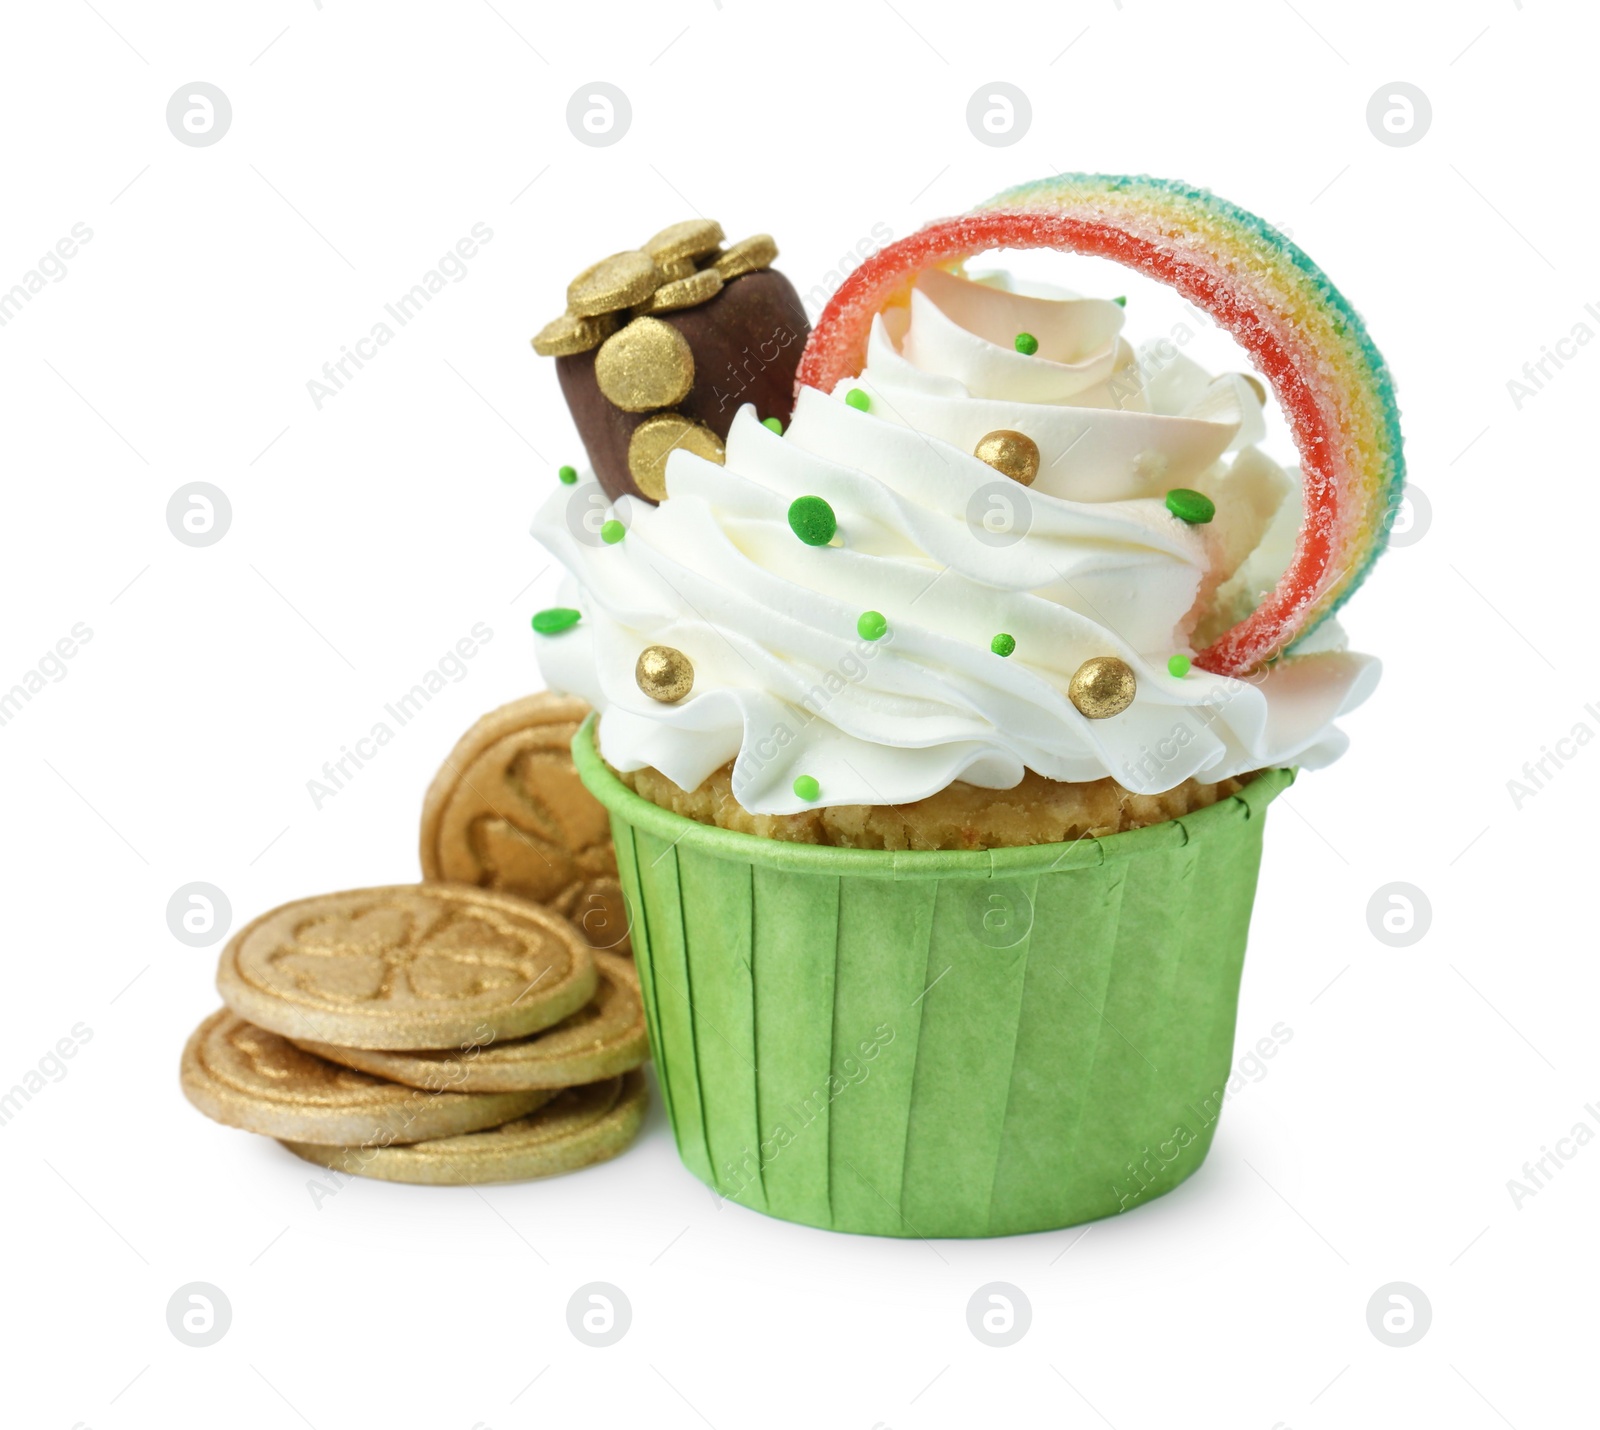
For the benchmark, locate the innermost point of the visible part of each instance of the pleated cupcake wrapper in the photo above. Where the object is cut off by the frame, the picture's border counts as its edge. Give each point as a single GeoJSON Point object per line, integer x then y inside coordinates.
{"type": "Point", "coordinates": [940, 1043]}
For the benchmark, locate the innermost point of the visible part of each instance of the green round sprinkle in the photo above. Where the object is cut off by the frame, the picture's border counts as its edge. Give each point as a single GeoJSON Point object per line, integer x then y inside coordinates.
{"type": "Point", "coordinates": [1003, 644]}
{"type": "Point", "coordinates": [1120, 301]}
{"type": "Point", "coordinates": [1026, 344]}
{"type": "Point", "coordinates": [871, 625]}
{"type": "Point", "coordinates": [806, 787]}
{"type": "Point", "coordinates": [772, 425]}
{"type": "Point", "coordinates": [567, 474]}
{"type": "Point", "coordinates": [857, 399]}
{"type": "Point", "coordinates": [1191, 506]}
{"type": "Point", "coordinates": [1178, 665]}
{"type": "Point", "coordinates": [555, 620]}
{"type": "Point", "coordinates": [612, 532]}
{"type": "Point", "coordinates": [812, 520]}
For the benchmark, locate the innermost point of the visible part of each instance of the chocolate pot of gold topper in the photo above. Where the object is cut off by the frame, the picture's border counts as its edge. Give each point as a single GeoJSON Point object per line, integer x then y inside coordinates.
{"type": "Point", "coordinates": [661, 345]}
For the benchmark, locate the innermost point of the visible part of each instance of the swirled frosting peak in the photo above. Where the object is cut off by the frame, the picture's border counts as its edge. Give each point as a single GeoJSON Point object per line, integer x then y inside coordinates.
{"type": "Point", "coordinates": [1086, 562]}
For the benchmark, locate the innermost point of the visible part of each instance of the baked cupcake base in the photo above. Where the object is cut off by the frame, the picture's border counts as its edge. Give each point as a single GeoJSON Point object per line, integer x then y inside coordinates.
{"type": "Point", "coordinates": [962, 816]}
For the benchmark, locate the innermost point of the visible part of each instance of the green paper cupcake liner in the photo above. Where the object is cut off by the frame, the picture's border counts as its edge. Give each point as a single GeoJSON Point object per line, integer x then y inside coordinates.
{"type": "Point", "coordinates": [933, 1044]}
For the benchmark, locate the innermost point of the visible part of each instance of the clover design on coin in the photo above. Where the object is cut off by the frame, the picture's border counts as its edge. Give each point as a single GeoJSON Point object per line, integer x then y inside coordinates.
{"type": "Point", "coordinates": [419, 966]}
{"type": "Point", "coordinates": [507, 811]}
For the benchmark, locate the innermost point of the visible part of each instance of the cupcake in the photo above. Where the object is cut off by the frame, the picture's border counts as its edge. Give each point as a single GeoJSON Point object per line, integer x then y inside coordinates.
{"type": "Point", "coordinates": [940, 697]}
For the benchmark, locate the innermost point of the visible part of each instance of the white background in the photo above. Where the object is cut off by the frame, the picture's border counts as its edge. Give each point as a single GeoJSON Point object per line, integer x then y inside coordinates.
{"type": "Point", "coordinates": [369, 536]}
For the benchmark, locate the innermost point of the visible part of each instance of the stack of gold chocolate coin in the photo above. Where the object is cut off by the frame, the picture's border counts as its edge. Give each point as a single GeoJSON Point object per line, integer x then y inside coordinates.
{"type": "Point", "coordinates": [659, 346]}
{"type": "Point", "coordinates": [429, 1032]}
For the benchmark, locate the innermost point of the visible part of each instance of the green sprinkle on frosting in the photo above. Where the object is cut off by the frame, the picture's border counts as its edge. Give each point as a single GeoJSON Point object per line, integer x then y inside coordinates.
{"type": "Point", "coordinates": [612, 532]}
{"type": "Point", "coordinates": [806, 787]}
{"type": "Point", "coordinates": [555, 620]}
{"type": "Point", "coordinates": [871, 625]}
{"type": "Point", "coordinates": [857, 399]}
{"type": "Point", "coordinates": [568, 475]}
{"type": "Point", "coordinates": [812, 520]}
{"type": "Point", "coordinates": [1178, 665]}
{"type": "Point", "coordinates": [1026, 344]}
{"type": "Point", "coordinates": [1191, 506]}
{"type": "Point", "coordinates": [1003, 644]}
{"type": "Point", "coordinates": [772, 425]}
{"type": "Point", "coordinates": [1120, 300]}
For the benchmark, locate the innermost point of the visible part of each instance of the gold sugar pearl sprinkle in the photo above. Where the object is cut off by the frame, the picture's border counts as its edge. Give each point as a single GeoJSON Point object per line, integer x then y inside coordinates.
{"type": "Point", "coordinates": [656, 438]}
{"type": "Point", "coordinates": [1012, 454]}
{"type": "Point", "coordinates": [616, 282]}
{"type": "Point", "coordinates": [700, 286]}
{"type": "Point", "coordinates": [664, 673]}
{"type": "Point", "coordinates": [1102, 686]}
{"type": "Point", "coordinates": [693, 238]}
{"type": "Point", "coordinates": [568, 334]}
{"type": "Point", "coordinates": [648, 364]}
{"type": "Point", "coordinates": [748, 255]}
{"type": "Point", "coordinates": [1257, 387]}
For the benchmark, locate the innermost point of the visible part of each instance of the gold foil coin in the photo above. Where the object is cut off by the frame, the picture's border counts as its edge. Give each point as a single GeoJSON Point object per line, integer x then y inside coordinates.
{"type": "Point", "coordinates": [1102, 687]}
{"type": "Point", "coordinates": [693, 238]}
{"type": "Point", "coordinates": [419, 966]}
{"type": "Point", "coordinates": [1012, 454]}
{"type": "Point", "coordinates": [244, 1076]}
{"type": "Point", "coordinates": [508, 811]}
{"type": "Point", "coordinates": [648, 364]}
{"type": "Point", "coordinates": [575, 1129]}
{"type": "Point", "coordinates": [655, 439]}
{"type": "Point", "coordinates": [596, 908]}
{"type": "Point", "coordinates": [700, 287]}
{"type": "Point", "coordinates": [664, 673]}
{"type": "Point", "coordinates": [568, 334]}
{"type": "Point", "coordinates": [746, 256]}
{"type": "Point", "coordinates": [603, 1038]}
{"type": "Point", "coordinates": [616, 282]}
{"type": "Point", "coordinates": [672, 269]}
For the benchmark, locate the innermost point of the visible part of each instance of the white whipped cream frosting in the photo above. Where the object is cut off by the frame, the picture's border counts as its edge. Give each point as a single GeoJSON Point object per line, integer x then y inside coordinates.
{"type": "Point", "coordinates": [1085, 562]}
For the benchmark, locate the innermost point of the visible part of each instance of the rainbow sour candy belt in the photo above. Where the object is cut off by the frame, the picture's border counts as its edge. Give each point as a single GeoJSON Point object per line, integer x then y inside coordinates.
{"type": "Point", "coordinates": [1298, 328]}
